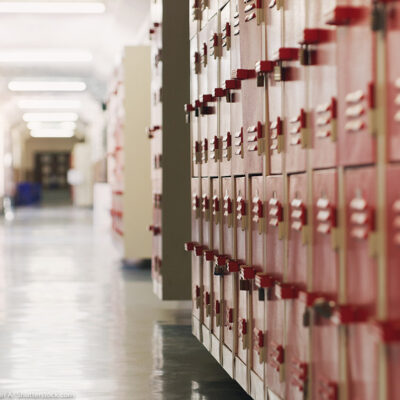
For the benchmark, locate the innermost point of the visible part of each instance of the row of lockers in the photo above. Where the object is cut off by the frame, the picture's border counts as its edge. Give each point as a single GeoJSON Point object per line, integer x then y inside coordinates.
{"type": "Point", "coordinates": [281, 309]}
{"type": "Point", "coordinates": [169, 30]}
{"type": "Point", "coordinates": [270, 80]}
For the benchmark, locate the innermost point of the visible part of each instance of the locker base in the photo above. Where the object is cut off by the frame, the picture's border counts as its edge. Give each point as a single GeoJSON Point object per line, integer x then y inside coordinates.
{"type": "Point", "coordinates": [272, 395]}
{"type": "Point", "coordinates": [257, 387]}
{"type": "Point", "coordinates": [227, 360]}
{"type": "Point", "coordinates": [157, 288]}
{"type": "Point", "coordinates": [241, 374]}
{"type": "Point", "coordinates": [216, 348]}
{"type": "Point", "coordinates": [206, 334]}
{"type": "Point", "coordinates": [196, 328]}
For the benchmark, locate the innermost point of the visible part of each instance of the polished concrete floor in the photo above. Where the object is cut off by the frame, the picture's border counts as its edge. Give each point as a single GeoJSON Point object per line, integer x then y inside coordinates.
{"type": "Point", "coordinates": [72, 321]}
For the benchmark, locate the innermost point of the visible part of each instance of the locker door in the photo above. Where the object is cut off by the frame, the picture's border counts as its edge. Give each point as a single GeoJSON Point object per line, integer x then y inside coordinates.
{"type": "Point", "coordinates": [319, 45]}
{"type": "Point", "coordinates": [225, 115]}
{"type": "Point", "coordinates": [274, 265]}
{"type": "Point", "coordinates": [251, 16]}
{"type": "Point", "coordinates": [242, 221]}
{"type": "Point", "coordinates": [196, 240]}
{"type": "Point", "coordinates": [208, 100]}
{"type": "Point", "coordinates": [275, 130]}
{"type": "Point", "coordinates": [393, 298]}
{"type": "Point", "coordinates": [296, 127]}
{"type": "Point", "coordinates": [356, 89]}
{"type": "Point", "coordinates": [196, 15]}
{"type": "Point", "coordinates": [257, 225]}
{"type": "Point", "coordinates": [325, 338]}
{"type": "Point", "coordinates": [210, 8]}
{"type": "Point", "coordinates": [204, 109]}
{"type": "Point", "coordinates": [361, 278]}
{"type": "Point", "coordinates": [230, 311]}
{"type": "Point", "coordinates": [192, 117]}
{"type": "Point", "coordinates": [207, 251]}
{"type": "Point", "coordinates": [233, 93]}
{"type": "Point", "coordinates": [393, 80]}
{"type": "Point", "coordinates": [295, 291]}
{"type": "Point", "coordinates": [216, 248]}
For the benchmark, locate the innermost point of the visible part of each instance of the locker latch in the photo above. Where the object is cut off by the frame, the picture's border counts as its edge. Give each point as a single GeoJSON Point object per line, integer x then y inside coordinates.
{"type": "Point", "coordinates": [255, 138]}
{"type": "Point", "coordinates": [216, 209]}
{"type": "Point", "coordinates": [299, 131]}
{"type": "Point", "coordinates": [276, 216]}
{"type": "Point", "coordinates": [239, 143]}
{"type": "Point", "coordinates": [276, 359]}
{"type": "Point", "coordinates": [227, 146]}
{"type": "Point", "coordinates": [215, 151]}
{"type": "Point", "coordinates": [198, 296]}
{"type": "Point", "coordinates": [284, 54]}
{"type": "Point", "coordinates": [226, 36]}
{"type": "Point", "coordinates": [219, 93]}
{"type": "Point", "coordinates": [258, 213]}
{"type": "Point", "coordinates": [207, 302]}
{"type": "Point", "coordinates": [220, 267]}
{"type": "Point", "coordinates": [326, 220]}
{"type": "Point", "coordinates": [206, 207]}
{"type": "Point", "coordinates": [247, 274]}
{"type": "Point", "coordinates": [229, 86]}
{"type": "Point", "coordinates": [299, 375]}
{"type": "Point", "coordinates": [276, 136]}
{"type": "Point", "coordinates": [298, 218]}
{"type": "Point", "coordinates": [260, 345]}
{"type": "Point", "coordinates": [196, 206]}
{"type": "Point", "coordinates": [205, 55]}
{"type": "Point", "coordinates": [241, 212]}
{"type": "Point", "coordinates": [228, 210]}
{"type": "Point", "coordinates": [327, 390]}
{"type": "Point", "coordinates": [262, 69]}
{"type": "Point", "coordinates": [244, 333]}
{"type": "Point", "coordinates": [218, 314]}
{"type": "Point", "coordinates": [197, 12]}
{"type": "Point", "coordinates": [326, 120]}
{"type": "Point", "coordinates": [197, 62]}
{"type": "Point", "coordinates": [216, 41]}
{"type": "Point", "coordinates": [155, 229]}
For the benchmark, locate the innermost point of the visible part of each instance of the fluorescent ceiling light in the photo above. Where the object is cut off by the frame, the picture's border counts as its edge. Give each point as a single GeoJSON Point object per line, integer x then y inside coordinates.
{"type": "Point", "coordinates": [49, 104]}
{"type": "Point", "coordinates": [47, 86]}
{"type": "Point", "coordinates": [51, 125]}
{"type": "Point", "coordinates": [52, 7]}
{"type": "Point", "coordinates": [50, 117]}
{"type": "Point", "coordinates": [44, 56]}
{"type": "Point", "coordinates": [52, 133]}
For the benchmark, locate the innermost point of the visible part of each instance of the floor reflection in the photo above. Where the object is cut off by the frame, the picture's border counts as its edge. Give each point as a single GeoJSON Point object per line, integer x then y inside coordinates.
{"type": "Point", "coordinates": [72, 320]}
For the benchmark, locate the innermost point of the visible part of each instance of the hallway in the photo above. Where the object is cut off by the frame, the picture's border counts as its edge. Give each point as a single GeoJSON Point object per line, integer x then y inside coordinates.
{"type": "Point", "coordinates": [73, 322]}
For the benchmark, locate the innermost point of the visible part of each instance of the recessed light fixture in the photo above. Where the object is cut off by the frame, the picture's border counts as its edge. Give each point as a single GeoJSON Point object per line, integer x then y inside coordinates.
{"type": "Point", "coordinates": [52, 133]}
{"type": "Point", "coordinates": [46, 86]}
{"type": "Point", "coordinates": [50, 117]}
{"type": "Point", "coordinates": [51, 125]}
{"type": "Point", "coordinates": [49, 104]}
{"type": "Point", "coordinates": [44, 56]}
{"type": "Point", "coordinates": [52, 7]}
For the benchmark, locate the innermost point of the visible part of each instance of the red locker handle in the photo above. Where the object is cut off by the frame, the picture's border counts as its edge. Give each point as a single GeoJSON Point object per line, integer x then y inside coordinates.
{"type": "Point", "coordinates": [232, 84]}
{"type": "Point", "coordinates": [317, 36]}
{"type": "Point", "coordinates": [243, 74]}
{"type": "Point", "coordinates": [345, 15]}
{"type": "Point", "coordinates": [264, 67]}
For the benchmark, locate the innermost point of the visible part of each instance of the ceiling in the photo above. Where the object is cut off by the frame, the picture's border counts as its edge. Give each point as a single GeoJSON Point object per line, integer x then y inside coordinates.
{"type": "Point", "coordinates": [125, 22]}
